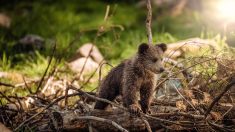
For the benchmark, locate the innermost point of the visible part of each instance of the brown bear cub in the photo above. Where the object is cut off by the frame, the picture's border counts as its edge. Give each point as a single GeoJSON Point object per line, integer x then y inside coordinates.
{"type": "Point", "coordinates": [133, 76]}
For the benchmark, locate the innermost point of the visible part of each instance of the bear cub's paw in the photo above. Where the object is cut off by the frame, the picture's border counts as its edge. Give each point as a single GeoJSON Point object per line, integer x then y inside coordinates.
{"type": "Point", "coordinates": [135, 110]}
{"type": "Point", "coordinates": [147, 111]}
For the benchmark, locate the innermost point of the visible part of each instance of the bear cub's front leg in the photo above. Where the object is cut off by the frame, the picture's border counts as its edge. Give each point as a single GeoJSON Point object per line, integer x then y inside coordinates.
{"type": "Point", "coordinates": [146, 95]}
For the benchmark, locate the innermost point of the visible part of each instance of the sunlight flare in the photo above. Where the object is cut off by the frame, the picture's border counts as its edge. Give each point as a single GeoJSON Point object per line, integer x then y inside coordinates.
{"type": "Point", "coordinates": [226, 9]}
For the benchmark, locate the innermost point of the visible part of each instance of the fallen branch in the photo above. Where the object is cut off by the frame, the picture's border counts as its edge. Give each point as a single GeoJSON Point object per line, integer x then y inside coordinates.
{"type": "Point", "coordinates": [48, 106]}
{"type": "Point", "coordinates": [101, 120]}
{"type": "Point", "coordinates": [147, 125]}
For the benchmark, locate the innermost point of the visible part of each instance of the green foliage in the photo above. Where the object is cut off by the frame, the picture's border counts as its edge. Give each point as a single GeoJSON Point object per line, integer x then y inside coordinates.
{"type": "Point", "coordinates": [34, 66]}
{"type": "Point", "coordinates": [221, 41]}
{"type": "Point", "coordinates": [5, 63]}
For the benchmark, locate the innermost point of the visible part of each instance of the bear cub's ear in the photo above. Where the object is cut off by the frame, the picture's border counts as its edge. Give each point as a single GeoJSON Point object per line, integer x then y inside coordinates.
{"type": "Point", "coordinates": [162, 46]}
{"type": "Point", "coordinates": [143, 48]}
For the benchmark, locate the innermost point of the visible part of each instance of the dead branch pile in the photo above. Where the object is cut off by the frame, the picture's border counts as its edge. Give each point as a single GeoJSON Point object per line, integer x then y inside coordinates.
{"type": "Point", "coordinates": [196, 93]}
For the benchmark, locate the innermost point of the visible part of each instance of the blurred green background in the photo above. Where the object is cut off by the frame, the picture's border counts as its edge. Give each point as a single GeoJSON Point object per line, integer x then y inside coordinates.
{"type": "Point", "coordinates": [75, 22]}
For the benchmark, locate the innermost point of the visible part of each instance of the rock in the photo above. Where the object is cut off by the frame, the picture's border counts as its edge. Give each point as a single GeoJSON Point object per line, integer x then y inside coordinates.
{"type": "Point", "coordinates": [28, 44]}
{"type": "Point", "coordinates": [193, 45]}
{"type": "Point", "coordinates": [93, 61]}
{"type": "Point", "coordinates": [77, 65]}
{"type": "Point", "coordinates": [95, 53]}
{"type": "Point", "coordinates": [174, 53]}
{"type": "Point", "coordinates": [34, 41]}
{"type": "Point", "coordinates": [5, 21]}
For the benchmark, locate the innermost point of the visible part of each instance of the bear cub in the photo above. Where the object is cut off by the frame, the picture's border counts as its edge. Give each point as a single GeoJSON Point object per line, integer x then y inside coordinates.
{"type": "Point", "coordinates": [134, 76]}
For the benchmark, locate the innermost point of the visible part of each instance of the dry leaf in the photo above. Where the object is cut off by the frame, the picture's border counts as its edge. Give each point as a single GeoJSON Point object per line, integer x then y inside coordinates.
{"type": "Point", "coordinates": [207, 98]}
{"type": "Point", "coordinates": [189, 94]}
{"type": "Point", "coordinates": [181, 106]}
{"type": "Point", "coordinates": [195, 102]}
{"type": "Point", "coordinates": [216, 116]}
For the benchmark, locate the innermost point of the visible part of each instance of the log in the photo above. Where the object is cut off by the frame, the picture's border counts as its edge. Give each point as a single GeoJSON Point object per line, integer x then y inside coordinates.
{"type": "Point", "coordinates": [78, 122]}
{"type": "Point", "coordinates": [193, 45]}
{"type": "Point", "coordinates": [72, 123]}
{"type": "Point", "coordinates": [105, 121]}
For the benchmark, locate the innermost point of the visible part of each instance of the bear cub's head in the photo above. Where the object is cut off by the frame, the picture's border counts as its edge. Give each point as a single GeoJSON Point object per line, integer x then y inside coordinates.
{"type": "Point", "coordinates": [151, 56]}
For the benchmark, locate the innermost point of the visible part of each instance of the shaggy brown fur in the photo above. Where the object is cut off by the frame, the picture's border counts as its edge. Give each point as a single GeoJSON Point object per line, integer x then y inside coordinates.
{"type": "Point", "coordinates": [133, 76]}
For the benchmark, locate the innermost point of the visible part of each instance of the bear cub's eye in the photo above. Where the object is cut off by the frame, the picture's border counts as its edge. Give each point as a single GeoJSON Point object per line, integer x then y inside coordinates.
{"type": "Point", "coordinates": [155, 60]}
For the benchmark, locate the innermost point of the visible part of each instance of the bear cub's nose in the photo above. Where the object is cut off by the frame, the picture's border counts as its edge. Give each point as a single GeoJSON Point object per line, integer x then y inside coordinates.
{"type": "Point", "coordinates": [162, 69]}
